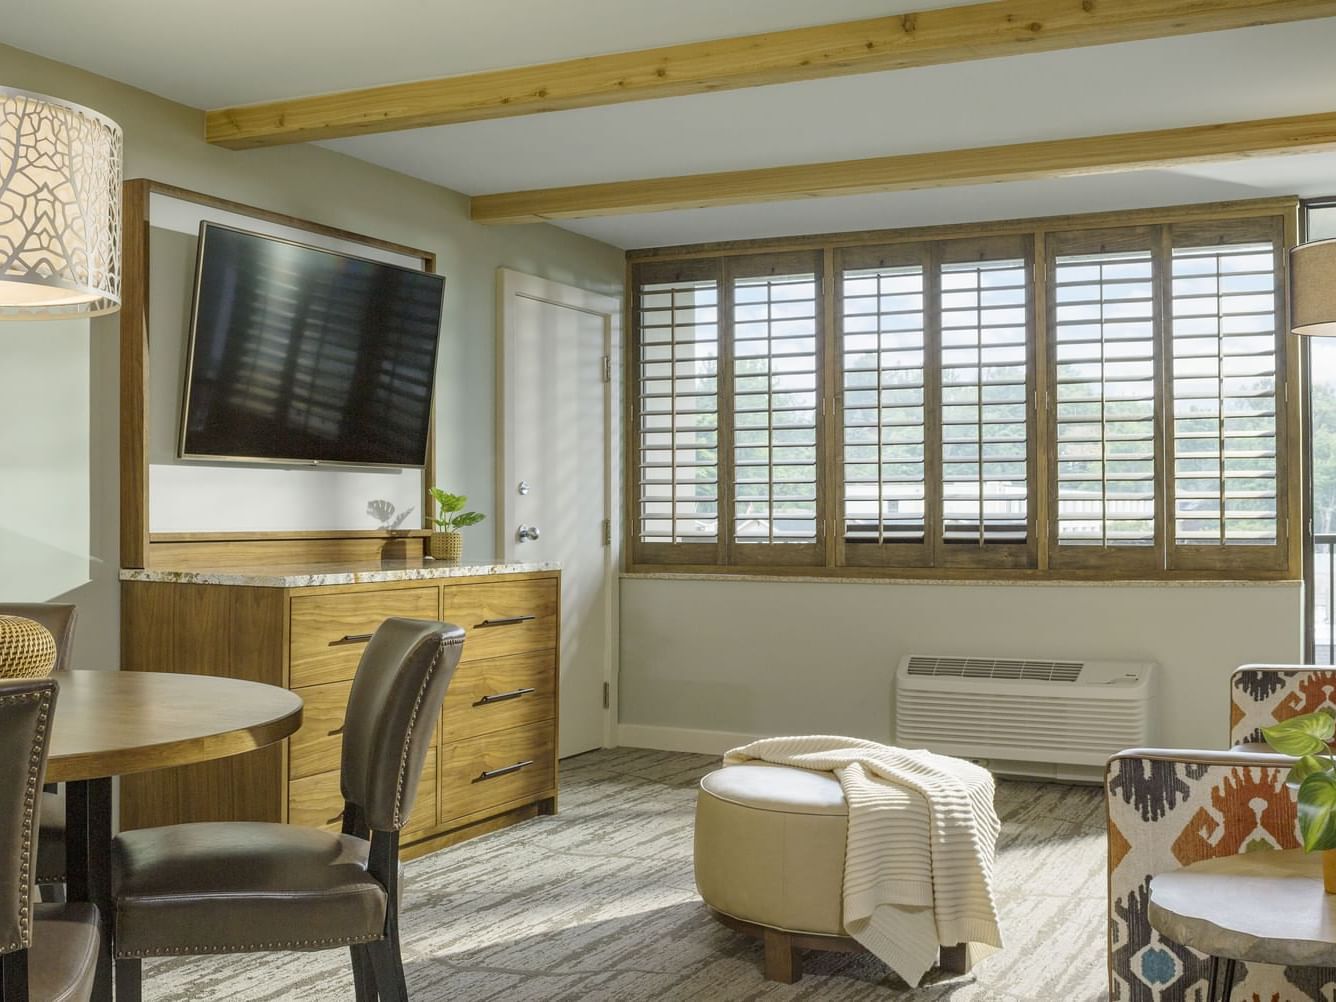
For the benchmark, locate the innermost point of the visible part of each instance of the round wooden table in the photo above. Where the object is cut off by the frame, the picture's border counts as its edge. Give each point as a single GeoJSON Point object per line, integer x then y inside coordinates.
{"type": "Point", "coordinates": [1256, 907]}
{"type": "Point", "coordinates": [111, 723]}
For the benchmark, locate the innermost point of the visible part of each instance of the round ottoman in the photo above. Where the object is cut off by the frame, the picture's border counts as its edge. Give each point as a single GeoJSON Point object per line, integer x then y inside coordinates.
{"type": "Point", "coordinates": [769, 856]}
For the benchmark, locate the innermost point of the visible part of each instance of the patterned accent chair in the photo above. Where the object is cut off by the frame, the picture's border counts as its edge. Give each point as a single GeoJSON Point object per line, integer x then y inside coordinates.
{"type": "Point", "coordinates": [1168, 808]}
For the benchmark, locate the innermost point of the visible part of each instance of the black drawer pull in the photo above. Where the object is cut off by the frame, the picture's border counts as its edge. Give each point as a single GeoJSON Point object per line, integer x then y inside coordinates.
{"type": "Point", "coordinates": [504, 770]}
{"type": "Point", "coordinates": [507, 621]}
{"type": "Point", "coordinates": [501, 697]}
{"type": "Point", "coordinates": [351, 638]}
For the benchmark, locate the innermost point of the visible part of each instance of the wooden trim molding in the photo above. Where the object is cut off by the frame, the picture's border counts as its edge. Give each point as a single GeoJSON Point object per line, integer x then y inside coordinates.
{"type": "Point", "coordinates": [1051, 158]}
{"type": "Point", "coordinates": [139, 547]}
{"type": "Point", "coordinates": [924, 38]}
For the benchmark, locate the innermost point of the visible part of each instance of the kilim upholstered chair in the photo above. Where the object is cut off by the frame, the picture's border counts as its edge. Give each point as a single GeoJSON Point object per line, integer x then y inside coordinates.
{"type": "Point", "coordinates": [48, 953]}
{"type": "Point", "coordinates": [1172, 807]}
{"type": "Point", "coordinates": [248, 887]}
{"type": "Point", "coordinates": [59, 619]}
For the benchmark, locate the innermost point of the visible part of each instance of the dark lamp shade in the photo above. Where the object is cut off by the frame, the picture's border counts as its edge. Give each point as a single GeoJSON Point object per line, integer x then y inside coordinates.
{"type": "Point", "coordinates": [1313, 289]}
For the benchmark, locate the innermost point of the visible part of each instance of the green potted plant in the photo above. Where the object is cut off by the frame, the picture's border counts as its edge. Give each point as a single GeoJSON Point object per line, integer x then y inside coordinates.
{"type": "Point", "coordinates": [1308, 738]}
{"type": "Point", "coordinates": [446, 542]}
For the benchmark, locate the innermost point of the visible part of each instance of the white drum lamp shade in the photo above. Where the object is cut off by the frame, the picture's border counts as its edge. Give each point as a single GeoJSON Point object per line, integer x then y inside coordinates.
{"type": "Point", "coordinates": [1313, 288]}
{"type": "Point", "coordinates": [60, 209]}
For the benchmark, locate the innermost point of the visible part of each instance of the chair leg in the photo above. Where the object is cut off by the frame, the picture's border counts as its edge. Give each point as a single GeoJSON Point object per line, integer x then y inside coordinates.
{"type": "Point", "coordinates": [782, 962]}
{"type": "Point", "coordinates": [14, 976]}
{"type": "Point", "coordinates": [364, 980]}
{"type": "Point", "coordinates": [388, 965]}
{"type": "Point", "coordinates": [129, 979]}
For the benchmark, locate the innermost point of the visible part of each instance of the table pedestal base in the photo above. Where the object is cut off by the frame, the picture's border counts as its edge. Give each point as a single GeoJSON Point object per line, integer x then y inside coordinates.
{"type": "Point", "coordinates": [88, 863]}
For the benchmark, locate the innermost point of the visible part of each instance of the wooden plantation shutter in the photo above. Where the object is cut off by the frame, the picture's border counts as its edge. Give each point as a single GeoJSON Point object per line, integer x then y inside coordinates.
{"type": "Point", "coordinates": [985, 429]}
{"type": "Point", "coordinates": [1090, 398]}
{"type": "Point", "coordinates": [886, 452]}
{"type": "Point", "coordinates": [675, 412]}
{"type": "Point", "coordinates": [1228, 429]}
{"type": "Point", "coordinates": [1103, 421]}
{"type": "Point", "coordinates": [772, 368]}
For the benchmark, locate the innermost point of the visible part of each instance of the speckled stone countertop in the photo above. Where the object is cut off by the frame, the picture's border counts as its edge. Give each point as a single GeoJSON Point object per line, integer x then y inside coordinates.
{"type": "Point", "coordinates": [312, 576]}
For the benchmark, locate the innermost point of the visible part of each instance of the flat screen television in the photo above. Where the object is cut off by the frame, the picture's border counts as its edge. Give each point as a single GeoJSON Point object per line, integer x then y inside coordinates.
{"type": "Point", "coordinates": [303, 355]}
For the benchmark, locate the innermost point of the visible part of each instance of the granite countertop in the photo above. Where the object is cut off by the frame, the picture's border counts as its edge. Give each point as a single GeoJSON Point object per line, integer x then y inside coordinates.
{"type": "Point", "coordinates": [311, 576]}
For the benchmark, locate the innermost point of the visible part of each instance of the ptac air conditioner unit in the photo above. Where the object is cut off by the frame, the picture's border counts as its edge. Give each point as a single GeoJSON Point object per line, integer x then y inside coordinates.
{"type": "Point", "coordinates": [1049, 719]}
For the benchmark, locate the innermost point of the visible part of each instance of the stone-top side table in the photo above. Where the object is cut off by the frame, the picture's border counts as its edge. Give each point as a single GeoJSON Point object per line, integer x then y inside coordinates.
{"type": "Point", "coordinates": [1257, 907]}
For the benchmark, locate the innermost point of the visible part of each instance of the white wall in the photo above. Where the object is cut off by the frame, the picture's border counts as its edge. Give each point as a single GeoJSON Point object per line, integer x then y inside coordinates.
{"type": "Point", "coordinates": [780, 657]}
{"type": "Point", "coordinates": [58, 384]}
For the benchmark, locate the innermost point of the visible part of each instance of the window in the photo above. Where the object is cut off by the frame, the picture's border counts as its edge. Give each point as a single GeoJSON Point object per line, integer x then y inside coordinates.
{"type": "Point", "coordinates": [774, 304]}
{"type": "Point", "coordinates": [884, 447]}
{"type": "Point", "coordinates": [1227, 346]}
{"type": "Point", "coordinates": [1103, 328]}
{"type": "Point", "coordinates": [1080, 399]}
{"type": "Point", "coordinates": [677, 434]}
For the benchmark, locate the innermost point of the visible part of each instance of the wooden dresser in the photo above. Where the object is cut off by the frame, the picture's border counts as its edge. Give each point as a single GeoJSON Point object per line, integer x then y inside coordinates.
{"type": "Point", "coordinates": [494, 759]}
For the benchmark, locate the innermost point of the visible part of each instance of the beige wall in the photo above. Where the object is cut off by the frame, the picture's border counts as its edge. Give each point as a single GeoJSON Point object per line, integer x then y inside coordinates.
{"type": "Point", "coordinates": [58, 407]}
{"type": "Point", "coordinates": [758, 658]}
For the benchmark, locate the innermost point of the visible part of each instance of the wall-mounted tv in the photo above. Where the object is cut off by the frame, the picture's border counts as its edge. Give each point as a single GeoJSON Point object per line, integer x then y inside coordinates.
{"type": "Point", "coordinates": [303, 355]}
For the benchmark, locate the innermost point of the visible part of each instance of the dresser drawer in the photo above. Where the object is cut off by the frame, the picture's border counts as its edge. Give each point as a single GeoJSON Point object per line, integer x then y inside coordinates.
{"type": "Point", "coordinates": [503, 617]}
{"type": "Point", "coordinates": [317, 801]}
{"type": "Point", "coordinates": [499, 693]}
{"type": "Point", "coordinates": [329, 632]}
{"type": "Point", "coordinates": [493, 770]}
{"type": "Point", "coordinates": [318, 746]}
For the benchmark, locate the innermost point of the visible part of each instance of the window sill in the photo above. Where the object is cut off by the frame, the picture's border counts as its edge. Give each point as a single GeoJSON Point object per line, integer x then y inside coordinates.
{"type": "Point", "coordinates": [840, 575]}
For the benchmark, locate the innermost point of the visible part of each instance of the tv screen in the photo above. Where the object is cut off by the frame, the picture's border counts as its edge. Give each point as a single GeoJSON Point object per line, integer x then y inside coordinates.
{"type": "Point", "coordinates": [303, 355]}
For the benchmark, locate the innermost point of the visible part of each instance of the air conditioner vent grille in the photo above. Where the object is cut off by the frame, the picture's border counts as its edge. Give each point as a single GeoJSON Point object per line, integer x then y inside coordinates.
{"type": "Point", "coordinates": [1017, 669]}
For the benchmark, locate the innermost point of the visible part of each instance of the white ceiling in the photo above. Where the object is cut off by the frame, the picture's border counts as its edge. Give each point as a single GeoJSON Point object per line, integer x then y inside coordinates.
{"type": "Point", "coordinates": [1216, 77]}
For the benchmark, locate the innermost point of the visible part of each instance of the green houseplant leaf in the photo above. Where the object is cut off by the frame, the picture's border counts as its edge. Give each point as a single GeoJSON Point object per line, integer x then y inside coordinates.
{"type": "Point", "coordinates": [1306, 766]}
{"type": "Point", "coordinates": [1317, 811]}
{"type": "Point", "coordinates": [1306, 734]}
{"type": "Point", "coordinates": [450, 516]}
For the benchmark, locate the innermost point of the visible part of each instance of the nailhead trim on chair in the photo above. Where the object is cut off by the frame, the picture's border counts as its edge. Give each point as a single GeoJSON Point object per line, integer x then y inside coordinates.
{"type": "Point", "coordinates": [399, 821]}
{"type": "Point", "coordinates": [246, 947]}
{"type": "Point", "coordinates": [29, 812]}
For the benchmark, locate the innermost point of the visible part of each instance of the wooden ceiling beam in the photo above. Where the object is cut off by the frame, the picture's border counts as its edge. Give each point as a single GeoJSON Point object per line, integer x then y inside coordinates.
{"type": "Point", "coordinates": [949, 168]}
{"type": "Point", "coordinates": [931, 37]}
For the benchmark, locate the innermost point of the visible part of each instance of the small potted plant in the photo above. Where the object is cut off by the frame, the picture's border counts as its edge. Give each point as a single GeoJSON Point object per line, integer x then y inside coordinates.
{"type": "Point", "coordinates": [1308, 738]}
{"type": "Point", "coordinates": [446, 542]}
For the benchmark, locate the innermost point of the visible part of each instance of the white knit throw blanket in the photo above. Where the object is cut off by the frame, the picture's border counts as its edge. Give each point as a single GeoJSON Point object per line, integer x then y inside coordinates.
{"type": "Point", "coordinates": [918, 867]}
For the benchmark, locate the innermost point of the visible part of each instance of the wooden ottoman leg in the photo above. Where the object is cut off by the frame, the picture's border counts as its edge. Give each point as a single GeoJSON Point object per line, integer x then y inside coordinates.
{"type": "Point", "coordinates": [782, 961]}
{"type": "Point", "coordinates": [955, 959]}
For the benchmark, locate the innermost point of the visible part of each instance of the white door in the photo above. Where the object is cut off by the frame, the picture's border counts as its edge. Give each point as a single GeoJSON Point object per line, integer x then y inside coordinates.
{"type": "Point", "coordinates": [556, 471]}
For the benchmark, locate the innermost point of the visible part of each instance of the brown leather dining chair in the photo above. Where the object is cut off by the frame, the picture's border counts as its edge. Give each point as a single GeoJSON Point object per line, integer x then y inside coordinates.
{"type": "Point", "coordinates": [250, 887]}
{"type": "Point", "coordinates": [48, 952]}
{"type": "Point", "coordinates": [59, 619]}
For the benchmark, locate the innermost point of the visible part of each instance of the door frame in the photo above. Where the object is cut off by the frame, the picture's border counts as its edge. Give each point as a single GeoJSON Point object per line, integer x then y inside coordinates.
{"type": "Point", "coordinates": [510, 285]}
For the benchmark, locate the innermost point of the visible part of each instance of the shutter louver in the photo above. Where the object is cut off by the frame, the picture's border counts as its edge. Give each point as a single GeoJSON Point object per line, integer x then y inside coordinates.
{"type": "Point", "coordinates": [984, 401]}
{"type": "Point", "coordinates": [774, 327]}
{"type": "Point", "coordinates": [1224, 395]}
{"type": "Point", "coordinates": [884, 431]}
{"type": "Point", "coordinates": [678, 411]}
{"type": "Point", "coordinates": [1105, 387]}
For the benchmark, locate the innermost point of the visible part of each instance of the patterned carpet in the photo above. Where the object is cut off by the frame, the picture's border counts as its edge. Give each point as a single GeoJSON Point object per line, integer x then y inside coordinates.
{"type": "Point", "coordinates": [598, 904]}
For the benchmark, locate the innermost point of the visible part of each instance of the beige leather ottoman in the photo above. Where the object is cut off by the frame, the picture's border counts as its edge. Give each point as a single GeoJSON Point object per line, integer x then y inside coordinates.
{"type": "Point", "coordinates": [769, 854]}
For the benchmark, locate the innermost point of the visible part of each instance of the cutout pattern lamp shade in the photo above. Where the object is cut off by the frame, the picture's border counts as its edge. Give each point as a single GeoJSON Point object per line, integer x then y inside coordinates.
{"type": "Point", "coordinates": [60, 209]}
{"type": "Point", "coordinates": [1313, 288]}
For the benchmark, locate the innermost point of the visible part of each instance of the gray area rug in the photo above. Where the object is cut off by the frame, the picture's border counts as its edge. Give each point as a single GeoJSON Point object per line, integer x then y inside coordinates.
{"type": "Point", "coordinates": [598, 903]}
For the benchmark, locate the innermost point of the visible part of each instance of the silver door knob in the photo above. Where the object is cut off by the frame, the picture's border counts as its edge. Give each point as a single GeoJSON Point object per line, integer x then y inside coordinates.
{"type": "Point", "coordinates": [529, 532]}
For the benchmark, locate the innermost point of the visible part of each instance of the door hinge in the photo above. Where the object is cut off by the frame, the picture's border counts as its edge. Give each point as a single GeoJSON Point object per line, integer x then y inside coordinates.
{"type": "Point", "coordinates": [607, 695]}
{"type": "Point", "coordinates": [607, 368]}
{"type": "Point", "coordinates": [607, 532]}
